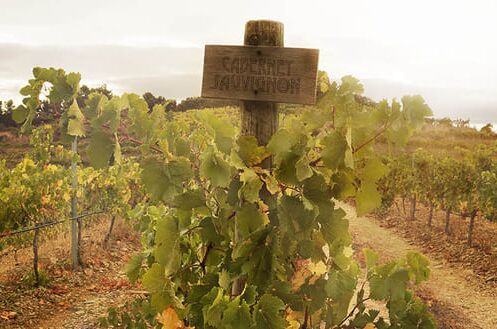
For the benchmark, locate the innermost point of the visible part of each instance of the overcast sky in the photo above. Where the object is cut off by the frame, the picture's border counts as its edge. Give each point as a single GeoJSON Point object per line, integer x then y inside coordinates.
{"type": "Point", "coordinates": [444, 50]}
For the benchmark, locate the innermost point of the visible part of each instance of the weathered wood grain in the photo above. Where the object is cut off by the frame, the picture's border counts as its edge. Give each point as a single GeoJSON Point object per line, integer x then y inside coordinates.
{"type": "Point", "coordinates": [260, 73]}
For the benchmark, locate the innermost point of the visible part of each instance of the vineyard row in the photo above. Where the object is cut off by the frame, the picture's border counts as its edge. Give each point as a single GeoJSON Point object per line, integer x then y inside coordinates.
{"type": "Point", "coordinates": [464, 185]}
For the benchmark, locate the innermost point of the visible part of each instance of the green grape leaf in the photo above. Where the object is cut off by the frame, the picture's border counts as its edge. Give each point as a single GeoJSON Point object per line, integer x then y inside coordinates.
{"type": "Point", "coordinates": [368, 198]}
{"type": "Point", "coordinates": [293, 216]}
{"type": "Point", "coordinates": [165, 180]}
{"type": "Point", "coordinates": [340, 286]}
{"type": "Point", "coordinates": [138, 113]}
{"type": "Point", "coordinates": [399, 135]}
{"type": "Point", "coordinates": [418, 266]}
{"type": "Point", "coordinates": [374, 170]}
{"type": "Point", "coordinates": [215, 168]}
{"type": "Point", "coordinates": [334, 225]}
{"type": "Point", "coordinates": [208, 231]}
{"type": "Point", "coordinates": [317, 190]}
{"type": "Point", "coordinates": [334, 148]}
{"type": "Point", "coordinates": [222, 130]}
{"type": "Point", "coordinates": [154, 178]}
{"type": "Point", "coordinates": [397, 284]}
{"type": "Point", "coordinates": [303, 169]}
{"type": "Point", "coordinates": [181, 148]}
{"type": "Point", "coordinates": [249, 294]}
{"type": "Point", "coordinates": [73, 80]}
{"type": "Point", "coordinates": [233, 190]}
{"type": "Point", "coordinates": [281, 142]}
{"type": "Point", "coordinates": [94, 105]}
{"type": "Point", "coordinates": [268, 313]}
{"type": "Point", "coordinates": [75, 125]}
{"type": "Point", "coordinates": [153, 280]}
{"type": "Point", "coordinates": [224, 280]}
{"type": "Point", "coordinates": [100, 149]}
{"type": "Point", "coordinates": [19, 114]}
{"type": "Point", "coordinates": [249, 219]}
{"type": "Point", "coordinates": [378, 287]}
{"type": "Point", "coordinates": [190, 199]}
{"type": "Point", "coordinates": [167, 248]}
{"type": "Point", "coordinates": [251, 186]}
{"type": "Point", "coordinates": [161, 289]}
{"type": "Point", "coordinates": [133, 267]}
{"type": "Point", "coordinates": [250, 152]}
{"type": "Point", "coordinates": [343, 186]}
{"type": "Point", "coordinates": [371, 257]}
{"type": "Point", "coordinates": [286, 170]}
{"type": "Point", "coordinates": [215, 304]}
{"type": "Point", "coordinates": [110, 115]}
{"type": "Point", "coordinates": [306, 248]}
{"type": "Point", "coordinates": [237, 315]}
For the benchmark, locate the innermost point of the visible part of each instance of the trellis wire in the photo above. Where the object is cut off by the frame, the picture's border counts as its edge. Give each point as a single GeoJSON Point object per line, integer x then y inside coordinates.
{"type": "Point", "coordinates": [28, 229]}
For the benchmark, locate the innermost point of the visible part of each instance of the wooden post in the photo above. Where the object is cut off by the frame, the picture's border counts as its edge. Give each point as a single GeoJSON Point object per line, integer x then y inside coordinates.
{"type": "Point", "coordinates": [447, 219]}
{"type": "Point", "coordinates": [471, 226]}
{"type": "Point", "coordinates": [260, 119]}
{"type": "Point", "coordinates": [74, 210]}
{"type": "Point", "coordinates": [261, 73]}
{"type": "Point", "coordinates": [35, 256]}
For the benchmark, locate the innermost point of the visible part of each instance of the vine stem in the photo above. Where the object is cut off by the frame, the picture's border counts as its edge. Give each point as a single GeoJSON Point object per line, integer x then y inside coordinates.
{"type": "Point", "coordinates": [352, 311]}
{"type": "Point", "coordinates": [137, 142]}
{"type": "Point", "coordinates": [372, 139]}
{"type": "Point", "coordinates": [355, 306]}
{"type": "Point", "coordinates": [192, 229]}
{"type": "Point", "coordinates": [356, 149]}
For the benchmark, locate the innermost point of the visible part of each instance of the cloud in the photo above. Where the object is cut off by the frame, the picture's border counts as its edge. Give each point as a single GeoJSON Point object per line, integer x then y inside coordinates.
{"type": "Point", "coordinates": [100, 61]}
{"type": "Point", "coordinates": [175, 72]}
{"type": "Point", "coordinates": [169, 71]}
{"type": "Point", "coordinates": [177, 86]}
{"type": "Point", "coordinates": [479, 105]}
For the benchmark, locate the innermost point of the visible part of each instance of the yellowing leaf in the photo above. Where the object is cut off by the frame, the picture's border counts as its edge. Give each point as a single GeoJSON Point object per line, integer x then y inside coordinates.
{"type": "Point", "coordinates": [292, 324]}
{"type": "Point", "coordinates": [307, 271]}
{"type": "Point", "coordinates": [169, 319]}
{"type": "Point", "coordinates": [317, 268]}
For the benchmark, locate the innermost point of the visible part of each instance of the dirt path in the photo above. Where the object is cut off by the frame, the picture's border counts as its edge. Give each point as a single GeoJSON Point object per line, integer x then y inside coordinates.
{"type": "Point", "coordinates": [454, 296]}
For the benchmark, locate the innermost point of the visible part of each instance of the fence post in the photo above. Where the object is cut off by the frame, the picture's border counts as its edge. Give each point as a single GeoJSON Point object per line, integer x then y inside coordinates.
{"type": "Point", "coordinates": [74, 210]}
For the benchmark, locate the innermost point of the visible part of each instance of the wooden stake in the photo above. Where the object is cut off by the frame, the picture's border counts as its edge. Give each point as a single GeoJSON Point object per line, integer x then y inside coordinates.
{"type": "Point", "coordinates": [35, 258]}
{"type": "Point", "coordinates": [260, 119]}
{"type": "Point", "coordinates": [74, 210]}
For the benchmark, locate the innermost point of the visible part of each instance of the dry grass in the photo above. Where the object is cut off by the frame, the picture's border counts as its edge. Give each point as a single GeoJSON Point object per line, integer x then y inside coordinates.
{"type": "Point", "coordinates": [442, 140]}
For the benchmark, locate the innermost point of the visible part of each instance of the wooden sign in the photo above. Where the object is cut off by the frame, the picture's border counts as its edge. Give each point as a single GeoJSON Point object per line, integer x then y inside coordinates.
{"type": "Point", "coordinates": [261, 73]}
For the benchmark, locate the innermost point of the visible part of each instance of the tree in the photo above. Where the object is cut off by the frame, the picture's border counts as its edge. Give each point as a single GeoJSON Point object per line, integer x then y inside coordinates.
{"type": "Point", "coordinates": [195, 103]}
{"type": "Point", "coordinates": [446, 122]}
{"type": "Point", "coordinates": [85, 92]}
{"type": "Point", "coordinates": [6, 109]}
{"type": "Point", "coordinates": [461, 123]}
{"type": "Point", "coordinates": [487, 130]}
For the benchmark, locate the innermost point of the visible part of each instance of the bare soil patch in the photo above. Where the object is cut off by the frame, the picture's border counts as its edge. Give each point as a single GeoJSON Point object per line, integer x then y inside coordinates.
{"type": "Point", "coordinates": [70, 299]}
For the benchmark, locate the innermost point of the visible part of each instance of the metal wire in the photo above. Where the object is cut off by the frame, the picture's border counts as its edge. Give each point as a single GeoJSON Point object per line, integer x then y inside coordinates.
{"type": "Point", "coordinates": [28, 229]}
